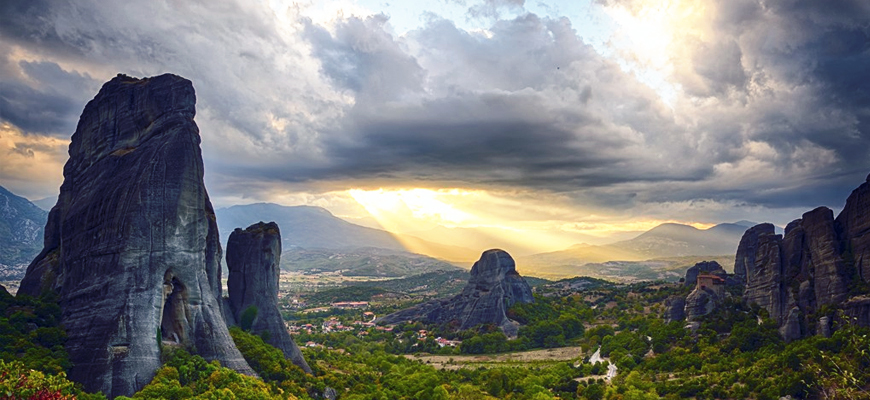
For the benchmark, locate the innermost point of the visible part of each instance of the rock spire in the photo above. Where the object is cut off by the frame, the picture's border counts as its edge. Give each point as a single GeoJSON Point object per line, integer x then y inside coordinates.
{"type": "Point", "coordinates": [132, 243]}
{"type": "Point", "coordinates": [253, 261]}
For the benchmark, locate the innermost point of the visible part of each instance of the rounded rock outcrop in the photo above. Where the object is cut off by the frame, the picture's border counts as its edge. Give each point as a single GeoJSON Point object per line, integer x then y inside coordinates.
{"type": "Point", "coordinates": [493, 287]}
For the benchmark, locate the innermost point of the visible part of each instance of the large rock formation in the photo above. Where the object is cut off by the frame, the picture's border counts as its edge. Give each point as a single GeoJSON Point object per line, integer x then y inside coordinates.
{"type": "Point", "coordinates": [706, 295]}
{"type": "Point", "coordinates": [253, 261]}
{"type": "Point", "coordinates": [494, 287]}
{"type": "Point", "coordinates": [709, 280]}
{"type": "Point", "coordinates": [702, 301]}
{"type": "Point", "coordinates": [132, 245]}
{"type": "Point", "coordinates": [819, 266]}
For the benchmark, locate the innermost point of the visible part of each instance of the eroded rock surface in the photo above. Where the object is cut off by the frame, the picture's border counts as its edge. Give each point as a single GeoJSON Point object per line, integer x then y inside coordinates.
{"type": "Point", "coordinates": [700, 302]}
{"type": "Point", "coordinates": [494, 286]}
{"type": "Point", "coordinates": [132, 244]}
{"type": "Point", "coordinates": [253, 261]}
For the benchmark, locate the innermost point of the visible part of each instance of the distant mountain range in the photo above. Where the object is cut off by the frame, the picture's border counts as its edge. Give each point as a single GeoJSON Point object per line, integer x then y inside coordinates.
{"type": "Point", "coordinates": [314, 239]}
{"type": "Point", "coordinates": [673, 241]}
{"type": "Point", "coordinates": [22, 227]}
{"type": "Point", "coordinates": [363, 261]}
{"type": "Point", "coordinates": [314, 227]}
{"type": "Point", "coordinates": [677, 240]}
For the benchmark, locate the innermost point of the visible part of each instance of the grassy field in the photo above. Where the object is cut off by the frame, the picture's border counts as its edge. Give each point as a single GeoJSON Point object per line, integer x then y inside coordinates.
{"type": "Point", "coordinates": [518, 359]}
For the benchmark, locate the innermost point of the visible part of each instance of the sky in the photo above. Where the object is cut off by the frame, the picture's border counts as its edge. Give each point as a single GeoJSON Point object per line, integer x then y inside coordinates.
{"type": "Point", "coordinates": [559, 120]}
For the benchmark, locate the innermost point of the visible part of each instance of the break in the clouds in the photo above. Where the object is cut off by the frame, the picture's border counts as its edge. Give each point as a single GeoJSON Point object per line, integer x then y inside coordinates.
{"type": "Point", "coordinates": [695, 109]}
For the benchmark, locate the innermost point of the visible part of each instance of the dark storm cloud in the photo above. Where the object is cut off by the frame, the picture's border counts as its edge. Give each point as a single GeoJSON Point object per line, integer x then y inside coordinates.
{"type": "Point", "coordinates": [52, 106]}
{"type": "Point", "coordinates": [528, 104]}
{"type": "Point", "coordinates": [243, 71]}
{"type": "Point", "coordinates": [33, 23]}
{"type": "Point", "coordinates": [499, 152]}
{"type": "Point", "coordinates": [35, 111]}
{"type": "Point", "coordinates": [774, 108]}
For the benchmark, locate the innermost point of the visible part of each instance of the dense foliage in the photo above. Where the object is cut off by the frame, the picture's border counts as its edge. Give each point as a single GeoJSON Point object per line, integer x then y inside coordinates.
{"type": "Point", "coordinates": [30, 332]}
{"type": "Point", "coordinates": [734, 353]}
{"type": "Point", "coordinates": [20, 382]}
{"type": "Point", "coordinates": [33, 361]}
{"type": "Point", "coordinates": [347, 293]}
{"type": "Point", "coordinates": [184, 376]}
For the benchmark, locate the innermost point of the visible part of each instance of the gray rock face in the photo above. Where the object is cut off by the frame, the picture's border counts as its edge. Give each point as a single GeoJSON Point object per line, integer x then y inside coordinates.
{"type": "Point", "coordinates": [857, 310]}
{"type": "Point", "coordinates": [854, 225]}
{"type": "Point", "coordinates": [820, 262]}
{"type": "Point", "coordinates": [791, 328]}
{"type": "Point", "coordinates": [494, 287]}
{"type": "Point", "coordinates": [764, 283]}
{"type": "Point", "coordinates": [253, 261]}
{"type": "Point", "coordinates": [747, 249]}
{"type": "Point", "coordinates": [675, 308]}
{"type": "Point", "coordinates": [701, 302]}
{"type": "Point", "coordinates": [825, 327]}
{"type": "Point", "coordinates": [132, 244]}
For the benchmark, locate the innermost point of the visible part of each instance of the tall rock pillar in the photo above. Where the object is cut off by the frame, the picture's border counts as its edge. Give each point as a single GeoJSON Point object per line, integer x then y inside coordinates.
{"type": "Point", "coordinates": [253, 261]}
{"type": "Point", "coordinates": [132, 243]}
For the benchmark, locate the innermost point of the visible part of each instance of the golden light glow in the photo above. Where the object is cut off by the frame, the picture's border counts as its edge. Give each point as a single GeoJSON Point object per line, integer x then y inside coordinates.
{"type": "Point", "coordinates": [28, 156]}
{"type": "Point", "coordinates": [458, 224]}
{"type": "Point", "coordinates": [424, 204]}
{"type": "Point", "coordinates": [609, 228]}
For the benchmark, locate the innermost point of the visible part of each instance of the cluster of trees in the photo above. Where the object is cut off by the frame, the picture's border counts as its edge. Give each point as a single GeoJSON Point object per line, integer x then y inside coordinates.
{"type": "Point", "coordinates": [20, 382]}
{"type": "Point", "coordinates": [347, 293]}
{"type": "Point", "coordinates": [30, 331]}
{"type": "Point", "coordinates": [185, 376]}
{"type": "Point", "coordinates": [33, 361]}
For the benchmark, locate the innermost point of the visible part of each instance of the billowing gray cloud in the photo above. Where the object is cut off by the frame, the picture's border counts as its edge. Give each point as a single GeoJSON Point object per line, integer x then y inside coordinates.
{"type": "Point", "coordinates": [529, 104]}
{"type": "Point", "coordinates": [364, 58]}
{"type": "Point", "coordinates": [772, 109]}
{"type": "Point", "coordinates": [51, 105]}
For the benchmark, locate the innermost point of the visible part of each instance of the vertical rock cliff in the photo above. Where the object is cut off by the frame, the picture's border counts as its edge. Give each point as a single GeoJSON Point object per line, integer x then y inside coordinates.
{"type": "Point", "coordinates": [494, 286]}
{"type": "Point", "coordinates": [253, 261]}
{"type": "Point", "coordinates": [132, 244]}
{"type": "Point", "coordinates": [814, 275]}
